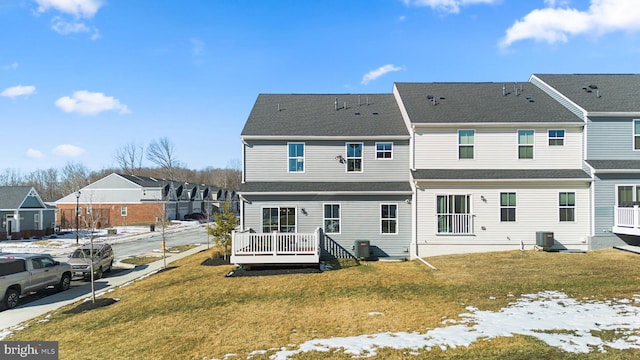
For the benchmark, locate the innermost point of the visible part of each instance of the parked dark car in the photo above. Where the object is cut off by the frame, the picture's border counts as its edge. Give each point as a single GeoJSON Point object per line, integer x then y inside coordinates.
{"type": "Point", "coordinates": [196, 216]}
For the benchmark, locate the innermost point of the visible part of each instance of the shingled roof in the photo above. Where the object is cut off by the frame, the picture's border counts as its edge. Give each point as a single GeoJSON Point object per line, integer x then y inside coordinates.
{"type": "Point", "coordinates": [331, 115]}
{"type": "Point", "coordinates": [12, 197]}
{"type": "Point", "coordinates": [488, 102]}
{"type": "Point", "coordinates": [598, 92]}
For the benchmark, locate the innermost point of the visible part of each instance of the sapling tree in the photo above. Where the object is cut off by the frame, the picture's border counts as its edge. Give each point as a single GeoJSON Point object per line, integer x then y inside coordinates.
{"type": "Point", "coordinates": [222, 228]}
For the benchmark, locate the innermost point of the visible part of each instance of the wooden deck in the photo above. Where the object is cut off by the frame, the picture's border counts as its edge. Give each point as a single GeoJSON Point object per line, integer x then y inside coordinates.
{"type": "Point", "coordinates": [627, 220]}
{"type": "Point", "coordinates": [275, 248]}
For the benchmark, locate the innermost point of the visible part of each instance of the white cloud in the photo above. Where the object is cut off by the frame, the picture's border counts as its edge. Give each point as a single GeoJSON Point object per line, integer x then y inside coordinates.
{"type": "Point", "coordinates": [89, 103]}
{"type": "Point", "coordinates": [63, 27]}
{"type": "Point", "coordinates": [557, 24]}
{"type": "Point", "coordinates": [33, 153]}
{"type": "Point", "coordinates": [374, 74]}
{"type": "Point", "coordinates": [77, 8]}
{"type": "Point", "coordinates": [12, 66]}
{"type": "Point", "coordinates": [197, 46]}
{"type": "Point", "coordinates": [19, 90]}
{"type": "Point", "coordinates": [68, 150]}
{"type": "Point", "coordinates": [451, 6]}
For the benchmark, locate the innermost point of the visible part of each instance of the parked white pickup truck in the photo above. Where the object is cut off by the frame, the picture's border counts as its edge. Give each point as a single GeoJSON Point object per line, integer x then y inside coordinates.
{"type": "Point", "coordinates": [21, 274]}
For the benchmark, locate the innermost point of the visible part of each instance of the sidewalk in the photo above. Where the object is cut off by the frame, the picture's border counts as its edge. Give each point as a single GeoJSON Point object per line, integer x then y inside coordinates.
{"type": "Point", "coordinates": [11, 320]}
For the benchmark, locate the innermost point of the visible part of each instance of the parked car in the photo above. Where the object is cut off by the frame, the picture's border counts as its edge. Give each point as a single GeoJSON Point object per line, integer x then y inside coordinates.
{"type": "Point", "coordinates": [21, 274]}
{"type": "Point", "coordinates": [196, 216]}
{"type": "Point", "coordinates": [102, 260]}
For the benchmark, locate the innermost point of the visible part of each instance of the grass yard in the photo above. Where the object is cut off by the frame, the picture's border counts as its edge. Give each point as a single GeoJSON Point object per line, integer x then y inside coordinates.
{"type": "Point", "coordinates": [195, 312]}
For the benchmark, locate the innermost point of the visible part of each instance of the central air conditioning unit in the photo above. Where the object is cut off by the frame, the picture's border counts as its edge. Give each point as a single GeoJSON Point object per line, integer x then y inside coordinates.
{"type": "Point", "coordinates": [545, 240]}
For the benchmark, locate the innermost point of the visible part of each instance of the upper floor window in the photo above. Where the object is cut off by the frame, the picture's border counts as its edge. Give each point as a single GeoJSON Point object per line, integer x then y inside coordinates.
{"type": "Point", "coordinates": [636, 134]}
{"type": "Point", "coordinates": [332, 218]}
{"type": "Point", "coordinates": [465, 144]}
{"type": "Point", "coordinates": [389, 219]}
{"type": "Point", "coordinates": [354, 157]}
{"type": "Point", "coordinates": [525, 144]}
{"type": "Point", "coordinates": [507, 206]}
{"type": "Point", "coordinates": [556, 137]}
{"type": "Point", "coordinates": [384, 150]}
{"type": "Point", "coordinates": [296, 157]}
{"type": "Point", "coordinates": [567, 205]}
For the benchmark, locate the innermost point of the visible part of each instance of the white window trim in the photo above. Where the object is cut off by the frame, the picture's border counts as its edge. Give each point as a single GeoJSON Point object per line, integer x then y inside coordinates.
{"type": "Point", "coordinates": [633, 131]}
{"type": "Point", "coordinates": [473, 146]}
{"type": "Point", "coordinates": [533, 145]}
{"type": "Point", "coordinates": [326, 218]}
{"type": "Point", "coordinates": [634, 192]}
{"type": "Point", "coordinates": [279, 207]}
{"type": "Point", "coordinates": [397, 218]}
{"type": "Point", "coordinates": [549, 138]}
{"type": "Point", "coordinates": [346, 153]}
{"type": "Point", "coordinates": [507, 207]}
{"type": "Point", "coordinates": [574, 207]}
{"type": "Point", "coordinates": [304, 158]}
{"type": "Point", "coordinates": [124, 211]}
{"type": "Point", "coordinates": [383, 151]}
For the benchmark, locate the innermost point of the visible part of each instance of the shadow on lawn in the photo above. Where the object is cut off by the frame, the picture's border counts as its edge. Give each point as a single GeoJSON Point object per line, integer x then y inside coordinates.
{"type": "Point", "coordinates": [240, 271]}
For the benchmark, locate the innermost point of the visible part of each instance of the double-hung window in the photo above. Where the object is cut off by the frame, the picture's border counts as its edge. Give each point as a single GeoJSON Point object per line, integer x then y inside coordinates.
{"type": "Point", "coordinates": [567, 206]}
{"type": "Point", "coordinates": [296, 157]}
{"type": "Point", "coordinates": [280, 219]}
{"type": "Point", "coordinates": [636, 134]}
{"type": "Point", "coordinates": [525, 144]}
{"type": "Point", "coordinates": [384, 150]}
{"type": "Point", "coordinates": [465, 144]}
{"type": "Point", "coordinates": [123, 211]}
{"type": "Point", "coordinates": [556, 137]}
{"type": "Point", "coordinates": [332, 218]}
{"type": "Point", "coordinates": [354, 157]}
{"type": "Point", "coordinates": [507, 206]}
{"type": "Point", "coordinates": [389, 218]}
{"type": "Point", "coordinates": [454, 214]}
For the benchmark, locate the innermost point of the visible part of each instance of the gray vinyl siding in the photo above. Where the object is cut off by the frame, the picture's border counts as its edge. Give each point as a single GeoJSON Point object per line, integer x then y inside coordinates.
{"type": "Point", "coordinates": [360, 219]}
{"type": "Point", "coordinates": [611, 138]}
{"type": "Point", "coordinates": [268, 160]}
{"type": "Point", "coordinates": [605, 199]}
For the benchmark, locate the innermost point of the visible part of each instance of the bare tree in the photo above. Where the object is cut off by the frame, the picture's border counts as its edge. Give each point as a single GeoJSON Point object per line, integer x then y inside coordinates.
{"type": "Point", "coordinates": [11, 177]}
{"type": "Point", "coordinates": [74, 176]}
{"type": "Point", "coordinates": [129, 158]}
{"type": "Point", "coordinates": [161, 153]}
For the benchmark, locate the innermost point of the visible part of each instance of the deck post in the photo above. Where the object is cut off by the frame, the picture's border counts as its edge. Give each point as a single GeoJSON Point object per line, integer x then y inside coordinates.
{"type": "Point", "coordinates": [274, 243]}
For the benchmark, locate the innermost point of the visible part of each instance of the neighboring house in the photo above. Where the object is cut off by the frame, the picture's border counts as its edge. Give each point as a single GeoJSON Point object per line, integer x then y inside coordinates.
{"type": "Point", "coordinates": [493, 164]}
{"type": "Point", "coordinates": [118, 199]}
{"type": "Point", "coordinates": [338, 163]}
{"type": "Point", "coordinates": [609, 105]}
{"type": "Point", "coordinates": [23, 214]}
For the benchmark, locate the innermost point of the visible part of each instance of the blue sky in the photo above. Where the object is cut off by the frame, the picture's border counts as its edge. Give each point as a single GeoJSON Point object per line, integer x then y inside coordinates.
{"type": "Point", "coordinates": [81, 78]}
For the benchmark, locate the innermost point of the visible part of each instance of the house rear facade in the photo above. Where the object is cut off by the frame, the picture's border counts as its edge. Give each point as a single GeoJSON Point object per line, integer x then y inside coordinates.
{"type": "Point", "coordinates": [443, 168]}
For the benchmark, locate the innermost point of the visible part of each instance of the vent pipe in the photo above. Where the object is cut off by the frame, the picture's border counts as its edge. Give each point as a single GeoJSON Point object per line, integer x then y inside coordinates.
{"type": "Point", "coordinates": [359, 103]}
{"type": "Point", "coordinates": [504, 90]}
{"type": "Point", "coordinates": [278, 107]}
{"type": "Point", "coordinates": [335, 104]}
{"type": "Point", "coordinates": [345, 105]}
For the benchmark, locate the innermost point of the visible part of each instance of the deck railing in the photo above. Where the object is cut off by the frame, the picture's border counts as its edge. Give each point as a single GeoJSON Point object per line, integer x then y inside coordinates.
{"type": "Point", "coordinates": [284, 247]}
{"type": "Point", "coordinates": [627, 216]}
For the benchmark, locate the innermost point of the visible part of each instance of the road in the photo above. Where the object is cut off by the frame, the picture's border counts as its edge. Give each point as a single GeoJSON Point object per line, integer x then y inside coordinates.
{"type": "Point", "coordinates": [152, 242]}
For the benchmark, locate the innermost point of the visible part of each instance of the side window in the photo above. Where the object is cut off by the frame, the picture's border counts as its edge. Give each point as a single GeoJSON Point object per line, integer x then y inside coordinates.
{"type": "Point", "coordinates": [354, 157]}
{"type": "Point", "coordinates": [123, 211]}
{"type": "Point", "coordinates": [636, 134]}
{"type": "Point", "coordinates": [388, 219]}
{"type": "Point", "coordinates": [525, 144]}
{"type": "Point", "coordinates": [556, 137]}
{"type": "Point", "coordinates": [465, 144]}
{"type": "Point", "coordinates": [332, 218]}
{"type": "Point", "coordinates": [47, 262]}
{"type": "Point", "coordinates": [567, 206]}
{"type": "Point", "coordinates": [507, 206]}
{"type": "Point", "coordinates": [296, 157]}
{"type": "Point", "coordinates": [384, 150]}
